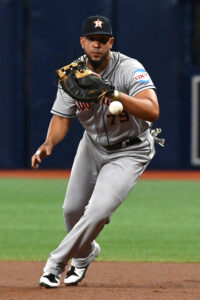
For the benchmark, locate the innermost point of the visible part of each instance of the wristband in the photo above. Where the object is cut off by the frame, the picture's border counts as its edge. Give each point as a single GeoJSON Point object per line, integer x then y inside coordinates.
{"type": "Point", "coordinates": [116, 95]}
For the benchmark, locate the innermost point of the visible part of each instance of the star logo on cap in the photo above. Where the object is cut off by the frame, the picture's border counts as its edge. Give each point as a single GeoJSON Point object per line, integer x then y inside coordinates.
{"type": "Point", "coordinates": [98, 23]}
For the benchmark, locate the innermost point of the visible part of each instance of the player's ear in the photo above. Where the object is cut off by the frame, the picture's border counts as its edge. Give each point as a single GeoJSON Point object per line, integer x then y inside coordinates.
{"type": "Point", "coordinates": [111, 42]}
{"type": "Point", "coordinates": [82, 41]}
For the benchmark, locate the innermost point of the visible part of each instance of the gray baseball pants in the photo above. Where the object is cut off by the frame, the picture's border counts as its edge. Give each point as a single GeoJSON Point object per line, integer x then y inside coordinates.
{"type": "Point", "coordinates": [99, 182]}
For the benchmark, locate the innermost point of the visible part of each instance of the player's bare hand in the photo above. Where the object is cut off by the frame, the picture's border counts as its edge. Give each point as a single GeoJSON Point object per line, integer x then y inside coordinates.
{"type": "Point", "coordinates": [42, 152]}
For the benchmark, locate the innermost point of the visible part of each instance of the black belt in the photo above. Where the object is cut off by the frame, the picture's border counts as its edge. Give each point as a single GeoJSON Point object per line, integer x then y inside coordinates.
{"type": "Point", "coordinates": [123, 144]}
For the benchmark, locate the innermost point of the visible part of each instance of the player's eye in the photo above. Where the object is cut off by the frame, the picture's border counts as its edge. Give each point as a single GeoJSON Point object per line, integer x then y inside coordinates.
{"type": "Point", "coordinates": [104, 39]}
{"type": "Point", "coordinates": [100, 39]}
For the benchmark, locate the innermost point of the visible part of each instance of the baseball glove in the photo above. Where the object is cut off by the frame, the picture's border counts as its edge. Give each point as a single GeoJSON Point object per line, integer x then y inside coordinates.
{"type": "Point", "coordinates": [83, 85]}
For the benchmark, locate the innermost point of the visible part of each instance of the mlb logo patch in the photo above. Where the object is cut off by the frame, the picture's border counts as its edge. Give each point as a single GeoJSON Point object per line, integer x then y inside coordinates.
{"type": "Point", "coordinates": [141, 75]}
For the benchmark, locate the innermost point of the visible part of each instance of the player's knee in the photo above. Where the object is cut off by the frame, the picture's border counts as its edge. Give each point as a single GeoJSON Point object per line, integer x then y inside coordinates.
{"type": "Point", "coordinates": [71, 216]}
{"type": "Point", "coordinates": [70, 210]}
{"type": "Point", "coordinates": [67, 212]}
{"type": "Point", "coordinates": [98, 216]}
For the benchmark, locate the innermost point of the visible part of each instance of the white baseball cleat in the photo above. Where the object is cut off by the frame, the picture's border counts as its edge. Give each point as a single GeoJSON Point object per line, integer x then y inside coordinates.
{"type": "Point", "coordinates": [75, 275]}
{"type": "Point", "coordinates": [49, 280]}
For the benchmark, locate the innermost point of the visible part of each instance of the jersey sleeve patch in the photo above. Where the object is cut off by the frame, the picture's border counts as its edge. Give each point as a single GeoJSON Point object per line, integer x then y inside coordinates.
{"type": "Point", "coordinates": [141, 76]}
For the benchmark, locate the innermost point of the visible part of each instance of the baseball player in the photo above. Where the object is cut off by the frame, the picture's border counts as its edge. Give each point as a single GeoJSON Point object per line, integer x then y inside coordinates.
{"type": "Point", "coordinates": [113, 152]}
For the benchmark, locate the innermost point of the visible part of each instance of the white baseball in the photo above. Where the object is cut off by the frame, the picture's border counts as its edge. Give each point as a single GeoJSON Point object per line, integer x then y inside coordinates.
{"type": "Point", "coordinates": [115, 108]}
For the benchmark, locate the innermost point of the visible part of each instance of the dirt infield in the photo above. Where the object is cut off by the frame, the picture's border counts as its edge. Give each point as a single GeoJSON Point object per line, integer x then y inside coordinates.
{"type": "Point", "coordinates": [105, 281]}
{"type": "Point", "coordinates": [62, 174]}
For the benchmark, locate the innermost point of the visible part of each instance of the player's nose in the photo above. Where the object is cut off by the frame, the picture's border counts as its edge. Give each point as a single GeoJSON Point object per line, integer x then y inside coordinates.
{"type": "Point", "coordinates": [96, 44]}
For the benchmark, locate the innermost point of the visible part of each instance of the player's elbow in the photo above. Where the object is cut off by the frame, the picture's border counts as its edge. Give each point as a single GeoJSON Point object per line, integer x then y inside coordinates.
{"type": "Point", "coordinates": [154, 110]}
{"type": "Point", "coordinates": [154, 116]}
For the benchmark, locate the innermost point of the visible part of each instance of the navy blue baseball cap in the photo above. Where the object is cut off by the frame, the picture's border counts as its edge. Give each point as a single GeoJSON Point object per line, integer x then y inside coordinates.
{"type": "Point", "coordinates": [97, 25]}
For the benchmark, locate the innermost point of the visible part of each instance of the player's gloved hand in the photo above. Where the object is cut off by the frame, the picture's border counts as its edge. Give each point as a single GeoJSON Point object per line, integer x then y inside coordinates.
{"type": "Point", "coordinates": [42, 152]}
{"type": "Point", "coordinates": [83, 85]}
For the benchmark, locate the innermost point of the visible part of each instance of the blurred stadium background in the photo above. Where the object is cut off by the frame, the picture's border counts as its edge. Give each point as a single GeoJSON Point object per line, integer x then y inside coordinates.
{"type": "Point", "coordinates": [39, 36]}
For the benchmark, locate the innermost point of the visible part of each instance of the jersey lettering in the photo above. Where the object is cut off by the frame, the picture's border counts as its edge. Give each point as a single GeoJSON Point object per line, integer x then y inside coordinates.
{"type": "Point", "coordinates": [83, 105]}
{"type": "Point", "coordinates": [123, 117]}
{"type": "Point", "coordinates": [111, 118]}
{"type": "Point", "coordinates": [106, 101]}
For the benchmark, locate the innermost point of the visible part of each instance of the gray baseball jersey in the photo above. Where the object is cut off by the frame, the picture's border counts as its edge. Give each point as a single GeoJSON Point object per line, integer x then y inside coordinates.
{"type": "Point", "coordinates": [128, 76]}
{"type": "Point", "coordinates": [101, 179]}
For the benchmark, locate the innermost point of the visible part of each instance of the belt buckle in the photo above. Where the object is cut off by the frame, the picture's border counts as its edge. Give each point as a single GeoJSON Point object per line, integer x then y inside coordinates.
{"type": "Point", "coordinates": [124, 143]}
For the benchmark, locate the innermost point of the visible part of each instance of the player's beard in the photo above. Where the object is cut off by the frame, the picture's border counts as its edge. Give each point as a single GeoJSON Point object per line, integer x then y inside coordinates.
{"type": "Point", "coordinates": [96, 63]}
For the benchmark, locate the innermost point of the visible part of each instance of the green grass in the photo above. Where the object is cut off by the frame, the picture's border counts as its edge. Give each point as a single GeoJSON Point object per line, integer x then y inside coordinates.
{"type": "Point", "coordinates": [159, 221]}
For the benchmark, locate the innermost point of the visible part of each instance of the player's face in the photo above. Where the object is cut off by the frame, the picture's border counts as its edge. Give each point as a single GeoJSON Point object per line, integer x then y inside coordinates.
{"type": "Point", "coordinates": [97, 47]}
